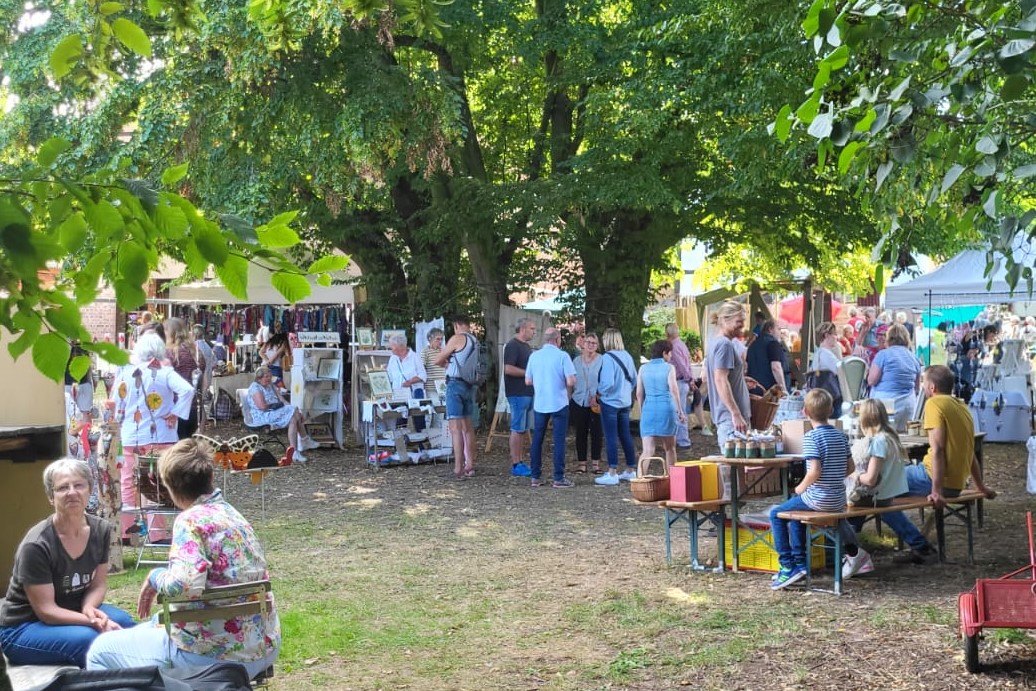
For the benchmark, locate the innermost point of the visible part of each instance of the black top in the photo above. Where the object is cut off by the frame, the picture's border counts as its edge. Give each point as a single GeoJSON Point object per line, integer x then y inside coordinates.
{"type": "Point", "coordinates": [761, 353]}
{"type": "Point", "coordinates": [517, 353]}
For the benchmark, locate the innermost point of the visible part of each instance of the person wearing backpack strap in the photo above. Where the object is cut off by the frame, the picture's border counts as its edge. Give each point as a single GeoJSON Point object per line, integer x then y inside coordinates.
{"type": "Point", "coordinates": [615, 395]}
{"type": "Point", "coordinates": [460, 404]}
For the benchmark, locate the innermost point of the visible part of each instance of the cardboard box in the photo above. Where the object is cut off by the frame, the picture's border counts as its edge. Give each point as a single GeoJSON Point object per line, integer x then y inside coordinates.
{"type": "Point", "coordinates": [792, 432]}
{"type": "Point", "coordinates": [695, 481]}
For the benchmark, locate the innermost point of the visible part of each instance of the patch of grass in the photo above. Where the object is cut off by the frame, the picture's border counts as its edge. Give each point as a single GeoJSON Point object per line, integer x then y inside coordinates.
{"type": "Point", "coordinates": [1011, 636]}
{"type": "Point", "coordinates": [628, 661]}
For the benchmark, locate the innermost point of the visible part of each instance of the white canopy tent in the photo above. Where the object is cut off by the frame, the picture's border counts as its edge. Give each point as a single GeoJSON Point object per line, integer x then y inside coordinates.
{"type": "Point", "coordinates": [262, 292]}
{"type": "Point", "coordinates": [963, 281]}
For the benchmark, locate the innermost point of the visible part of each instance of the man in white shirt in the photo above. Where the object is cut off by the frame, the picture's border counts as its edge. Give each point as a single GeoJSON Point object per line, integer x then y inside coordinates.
{"type": "Point", "coordinates": [406, 371]}
{"type": "Point", "coordinates": [553, 377]}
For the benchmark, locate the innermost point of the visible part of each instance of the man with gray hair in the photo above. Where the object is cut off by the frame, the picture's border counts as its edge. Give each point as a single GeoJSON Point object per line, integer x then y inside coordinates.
{"type": "Point", "coordinates": [553, 377]}
{"type": "Point", "coordinates": [406, 371]}
{"type": "Point", "coordinates": [519, 394]}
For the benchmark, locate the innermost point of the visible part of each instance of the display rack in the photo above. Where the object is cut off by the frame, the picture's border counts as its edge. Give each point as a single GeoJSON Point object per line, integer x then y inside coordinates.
{"type": "Point", "coordinates": [387, 442]}
{"type": "Point", "coordinates": [317, 385]}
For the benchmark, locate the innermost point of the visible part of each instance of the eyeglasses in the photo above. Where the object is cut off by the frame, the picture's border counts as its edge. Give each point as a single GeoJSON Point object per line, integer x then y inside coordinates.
{"type": "Point", "coordinates": [74, 487]}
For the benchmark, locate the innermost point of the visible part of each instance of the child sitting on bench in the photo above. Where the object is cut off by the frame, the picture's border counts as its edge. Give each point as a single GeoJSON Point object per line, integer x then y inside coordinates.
{"type": "Point", "coordinates": [823, 489]}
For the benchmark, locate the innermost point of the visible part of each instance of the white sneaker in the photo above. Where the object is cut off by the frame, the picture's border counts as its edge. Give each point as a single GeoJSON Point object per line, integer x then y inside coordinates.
{"type": "Point", "coordinates": [610, 479]}
{"type": "Point", "coordinates": [860, 564]}
{"type": "Point", "coordinates": [298, 457]}
{"type": "Point", "coordinates": [309, 443]}
{"type": "Point", "coordinates": [628, 475]}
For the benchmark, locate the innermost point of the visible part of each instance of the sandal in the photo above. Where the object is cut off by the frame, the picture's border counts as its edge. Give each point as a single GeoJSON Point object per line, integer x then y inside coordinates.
{"type": "Point", "coordinates": [469, 471]}
{"type": "Point", "coordinates": [581, 467]}
{"type": "Point", "coordinates": [595, 466]}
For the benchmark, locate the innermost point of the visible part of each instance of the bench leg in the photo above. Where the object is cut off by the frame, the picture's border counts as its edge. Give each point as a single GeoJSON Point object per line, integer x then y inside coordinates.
{"type": "Point", "coordinates": [668, 537]}
{"type": "Point", "coordinates": [940, 533]}
{"type": "Point", "coordinates": [719, 518]}
{"type": "Point", "coordinates": [971, 536]}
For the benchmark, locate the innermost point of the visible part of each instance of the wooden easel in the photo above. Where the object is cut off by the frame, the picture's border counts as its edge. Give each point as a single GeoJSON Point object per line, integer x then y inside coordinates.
{"type": "Point", "coordinates": [505, 418]}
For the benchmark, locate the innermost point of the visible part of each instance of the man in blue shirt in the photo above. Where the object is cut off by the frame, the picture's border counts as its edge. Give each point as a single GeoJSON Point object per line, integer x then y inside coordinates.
{"type": "Point", "coordinates": [553, 376]}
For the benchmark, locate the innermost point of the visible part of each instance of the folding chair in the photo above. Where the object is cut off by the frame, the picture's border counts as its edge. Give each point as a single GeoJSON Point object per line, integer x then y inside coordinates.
{"type": "Point", "coordinates": [219, 602]}
{"type": "Point", "coordinates": [267, 434]}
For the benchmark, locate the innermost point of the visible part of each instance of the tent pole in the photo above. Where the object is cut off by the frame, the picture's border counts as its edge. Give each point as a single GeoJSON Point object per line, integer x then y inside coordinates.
{"type": "Point", "coordinates": [928, 355]}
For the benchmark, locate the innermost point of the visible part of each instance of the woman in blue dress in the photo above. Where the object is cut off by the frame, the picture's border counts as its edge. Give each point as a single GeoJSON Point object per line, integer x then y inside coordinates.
{"type": "Point", "coordinates": [269, 408]}
{"type": "Point", "coordinates": [659, 409]}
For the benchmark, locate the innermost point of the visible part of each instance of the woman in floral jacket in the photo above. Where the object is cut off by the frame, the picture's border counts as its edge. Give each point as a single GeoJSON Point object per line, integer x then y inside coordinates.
{"type": "Point", "coordinates": [213, 545]}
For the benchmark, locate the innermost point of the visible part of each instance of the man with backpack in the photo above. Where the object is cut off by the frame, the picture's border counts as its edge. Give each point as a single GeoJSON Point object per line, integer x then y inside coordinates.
{"type": "Point", "coordinates": [460, 357]}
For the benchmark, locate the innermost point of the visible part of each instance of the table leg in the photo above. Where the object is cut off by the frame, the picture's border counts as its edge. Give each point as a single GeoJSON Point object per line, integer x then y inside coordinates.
{"type": "Point", "coordinates": [734, 521]}
{"type": "Point", "coordinates": [668, 538]}
{"type": "Point", "coordinates": [981, 468]}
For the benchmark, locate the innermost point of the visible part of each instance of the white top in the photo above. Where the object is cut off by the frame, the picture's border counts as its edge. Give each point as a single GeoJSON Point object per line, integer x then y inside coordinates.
{"type": "Point", "coordinates": [548, 371]}
{"type": "Point", "coordinates": [407, 367]}
{"type": "Point", "coordinates": [144, 421]}
{"type": "Point", "coordinates": [824, 359]}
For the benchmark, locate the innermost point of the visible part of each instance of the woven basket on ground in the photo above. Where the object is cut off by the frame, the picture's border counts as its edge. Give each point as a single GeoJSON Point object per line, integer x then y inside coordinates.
{"type": "Point", "coordinates": [650, 488]}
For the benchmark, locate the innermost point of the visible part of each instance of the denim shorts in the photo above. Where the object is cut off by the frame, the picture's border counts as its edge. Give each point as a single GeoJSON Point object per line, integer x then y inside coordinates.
{"type": "Point", "coordinates": [520, 407]}
{"type": "Point", "coordinates": [458, 399]}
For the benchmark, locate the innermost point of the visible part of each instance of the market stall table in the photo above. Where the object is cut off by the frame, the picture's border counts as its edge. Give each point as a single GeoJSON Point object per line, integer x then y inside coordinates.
{"type": "Point", "coordinates": [779, 464]}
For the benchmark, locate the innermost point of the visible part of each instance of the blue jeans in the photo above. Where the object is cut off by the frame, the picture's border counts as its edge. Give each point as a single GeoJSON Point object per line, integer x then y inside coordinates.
{"type": "Point", "coordinates": [459, 401]}
{"type": "Point", "coordinates": [789, 537]}
{"type": "Point", "coordinates": [683, 438]}
{"type": "Point", "coordinates": [918, 485]}
{"type": "Point", "coordinates": [539, 430]}
{"type": "Point", "coordinates": [149, 646]}
{"type": "Point", "coordinates": [616, 425]}
{"type": "Point", "coordinates": [36, 643]}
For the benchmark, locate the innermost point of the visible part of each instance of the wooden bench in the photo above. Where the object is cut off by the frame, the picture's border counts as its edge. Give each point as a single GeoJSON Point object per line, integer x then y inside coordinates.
{"type": "Point", "coordinates": [825, 524]}
{"type": "Point", "coordinates": [696, 514]}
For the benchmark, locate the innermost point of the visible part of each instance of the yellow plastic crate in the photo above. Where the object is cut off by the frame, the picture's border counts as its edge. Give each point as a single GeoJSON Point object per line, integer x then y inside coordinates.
{"type": "Point", "coordinates": [761, 556]}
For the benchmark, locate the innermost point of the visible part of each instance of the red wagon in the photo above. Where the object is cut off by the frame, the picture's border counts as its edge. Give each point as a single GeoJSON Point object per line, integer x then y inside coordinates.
{"type": "Point", "coordinates": [998, 603]}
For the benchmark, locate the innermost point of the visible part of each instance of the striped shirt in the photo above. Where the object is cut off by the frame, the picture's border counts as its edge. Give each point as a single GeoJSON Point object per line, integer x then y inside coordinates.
{"type": "Point", "coordinates": [830, 448]}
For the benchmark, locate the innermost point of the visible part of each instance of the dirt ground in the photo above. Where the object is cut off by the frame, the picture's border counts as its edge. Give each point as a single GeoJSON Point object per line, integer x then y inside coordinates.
{"type": "Point", "coordinates": [893, 629]}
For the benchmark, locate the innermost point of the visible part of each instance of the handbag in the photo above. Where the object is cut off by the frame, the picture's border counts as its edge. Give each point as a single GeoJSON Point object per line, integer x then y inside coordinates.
{"type": "Point", "coordinates": [626, 372]}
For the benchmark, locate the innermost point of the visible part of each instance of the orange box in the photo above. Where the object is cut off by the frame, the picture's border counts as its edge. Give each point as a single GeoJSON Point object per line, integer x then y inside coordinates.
{"type": "Point", "coordinates": [694, 481]}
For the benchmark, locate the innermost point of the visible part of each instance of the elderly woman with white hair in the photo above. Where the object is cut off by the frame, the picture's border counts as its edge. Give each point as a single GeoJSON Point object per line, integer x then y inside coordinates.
{"type": "Point", "coordinates": [54, 607]}
{"type": "Point", "coordinates": [149, 398]}
{"type": "Point", "coordinates": [269, 408]}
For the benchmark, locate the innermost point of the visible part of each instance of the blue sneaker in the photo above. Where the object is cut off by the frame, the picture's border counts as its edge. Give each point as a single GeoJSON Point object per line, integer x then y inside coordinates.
{"type": "Point", "coordinates": [786, 577]}
{"type": "Point", "coordinates": [521, 470]}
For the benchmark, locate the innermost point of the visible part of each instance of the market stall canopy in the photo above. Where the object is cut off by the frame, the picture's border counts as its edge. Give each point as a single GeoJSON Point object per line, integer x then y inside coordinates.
{"type": "Point", "coordinates": [963, 281]}
{"type": "Point", "coordinates": [262, 292]}
{"type": "Point", "coordinates": [790, 311]}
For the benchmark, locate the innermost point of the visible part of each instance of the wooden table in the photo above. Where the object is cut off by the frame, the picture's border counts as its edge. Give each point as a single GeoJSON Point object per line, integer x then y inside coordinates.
{"type": "Point", "coordinates": [780, 464]}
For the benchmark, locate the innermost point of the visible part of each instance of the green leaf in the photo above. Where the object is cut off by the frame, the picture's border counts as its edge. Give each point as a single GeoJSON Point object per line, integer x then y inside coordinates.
{"type": "Point", "coordinates": [50, 355]}
{"type": "Point", "coordinates": [65, 320]}
{"type": "Point", "coordinates": [837, 59]}
{"type": "Point", "coordinates": [51, 149]}
{"type": "Point", "coordinates": [110, 8]}
{"type": "Point", "coordinates": [132, 36]}
{"type": "Point", "coordinates": [864, 123]}
{"type": "Point", "coordinates": [79, 366]}
{"type": "Point", "coordinates": [210, 244]}
{"type": "Point", "coordinates": [809, 109]}
{"type": "Point", "coordinates": [782, 125]}
{"type": "Point", "coordinates": [1018, 46]}
{"type": "Point", "coordinates": [173, 174]}
{"type": "Point", "coordinates": [233, 274]}
{"type": "Point", "coordinates": [823, 76]}
{"type": "Point", "coordinates": [845, 159]}
{"type": "Point", "coordinates": [883, 172]}
{"type": "Point", "coordinates": [811, 24]}
{"type": "Point", "coordinates": [105, 218]}
{"type": "Point", "coordinates": [171, 221]}
{"type": "Point", "coordinates": [283, 219]}
{"type": "Point", "coordinates": [128, 295]}
{"type": "Point", "coordinates": [951, 176]}
{"type": "Point", "coordinates": [277, 236]}
{"type": "Point", "coordinates": [332, 262]}
{"type": "Point", "coordinates": [291, 285]}
{"type": "Point", "coordinates": [324, 280]}
{"type": "Point", "coordinates": [30, 332]}
{"type": "Point", "coordinates": [987, 145]}
{"type": "Point", "coordinates": [66, 55]}
{"type": "Point", "coordinates": [822, 125]}
{"type": "Point", "coordinates": [108, 351]}
{"type": "Point", "coordinates": [1022, 172]}
{"type": "Point", "coordinates": [990, 206]}
{"type": "Point", "coordinates": [1014, 86]}
{"type": "Point", "coordinates": [132, 263]}
{"type": "Point", "coordinates": [985, 167]}
{"type": "Point", "coordinates": [879, 278]}
{"type": "Point", "coordinates": [72, 232]}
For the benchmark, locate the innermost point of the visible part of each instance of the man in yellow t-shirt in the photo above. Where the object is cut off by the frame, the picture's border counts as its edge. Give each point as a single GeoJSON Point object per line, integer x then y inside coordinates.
{"type": "Point", "coordinates": [950, 459]}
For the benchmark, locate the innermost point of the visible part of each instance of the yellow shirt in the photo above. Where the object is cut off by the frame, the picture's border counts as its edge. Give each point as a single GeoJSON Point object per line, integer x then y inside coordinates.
{"type": "Point", "coordinates": [950, 414]}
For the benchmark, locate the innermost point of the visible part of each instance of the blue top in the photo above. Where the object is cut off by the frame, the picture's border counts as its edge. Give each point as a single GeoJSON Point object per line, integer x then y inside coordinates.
{"type": "Point", "coordinates": [893, 479]}
{"type": "Point", "coordinates": [548, 371]}
{"type": "Point", "coordinates": [830, 448]}
{"type": "Point", "coordinates": [586, 379]}
{"type": "Point", "coordinates": [899, 372]}
{"type": "Point", "coordinates": [613, 388]}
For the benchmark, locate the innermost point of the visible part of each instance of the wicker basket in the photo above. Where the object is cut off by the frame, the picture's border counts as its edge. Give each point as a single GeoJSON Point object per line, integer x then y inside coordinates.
{"type": "Point", "coordinates": [764, 407]}
{"type": "Point", "coordinates": [650, 488]}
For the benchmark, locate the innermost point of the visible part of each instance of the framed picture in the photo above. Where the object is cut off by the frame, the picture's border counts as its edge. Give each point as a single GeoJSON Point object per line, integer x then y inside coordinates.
{"type": "Point", "coordinates": [386, 334]}
{"type": "Point", "coordinates": [324, 400]}
{"type": "Point", "coordinates": [329, 368]}
{"type": "Point", "coordinates": [365, 338]}
{"type": "Point", "coordinates": [381, 387]}
{"type": "Point", "coordinates": [319, 432]}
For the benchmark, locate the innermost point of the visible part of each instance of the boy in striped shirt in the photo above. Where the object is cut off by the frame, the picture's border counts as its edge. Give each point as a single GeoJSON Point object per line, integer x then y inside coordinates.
{"type": "Point", "coordinates": [827, 455]}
